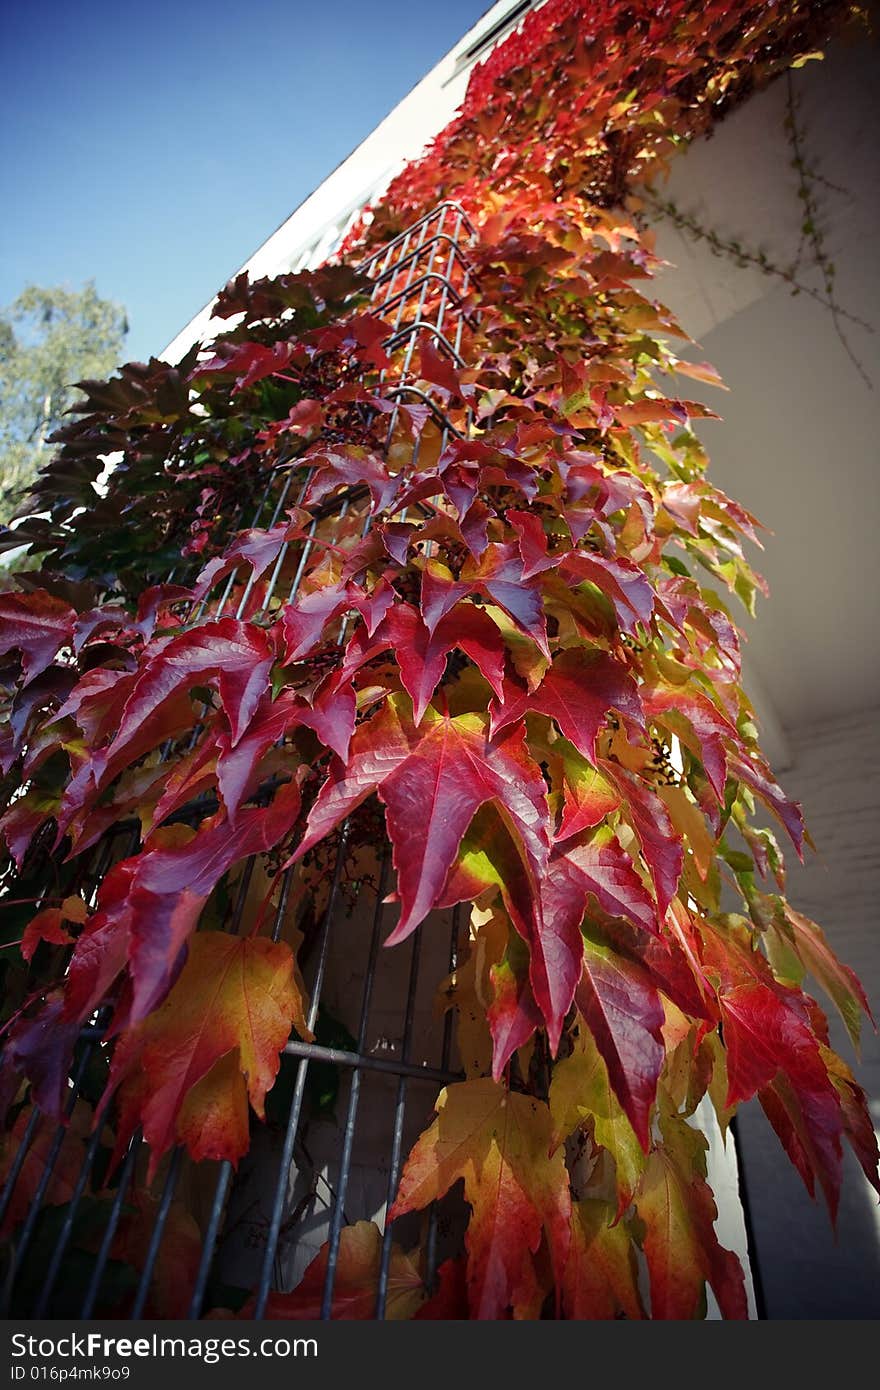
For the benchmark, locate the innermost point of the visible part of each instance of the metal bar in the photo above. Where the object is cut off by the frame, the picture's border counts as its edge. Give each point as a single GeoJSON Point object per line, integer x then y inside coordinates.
{"type": "Point", "coordinates": [67, 1228]}
{"type": "Point", "coordinates": [110, 1229]}
{"type": "Point", "coordinates": [221, 1188]}
{"type": "Point", "coordinates": [51, 1159]}
{"type": "Point", "coordinates": [445, 1053]}
{"type": "Point", "coordinates": [18, 1161]}
{"type": "Point", "coordinates": [397, 1140]}
{"type": "Point", "coordinates": [299, 1091]}
{"type": "Point", "coordinates": [338, 1215]}
{"type": "Point", "coordinates": [158, 1231]}
{"type": "Point", "coordinates": [447, 203]}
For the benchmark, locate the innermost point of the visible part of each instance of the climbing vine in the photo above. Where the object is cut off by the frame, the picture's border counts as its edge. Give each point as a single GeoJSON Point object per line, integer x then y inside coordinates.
{"type": "Point", "coordinates": [488, 624]}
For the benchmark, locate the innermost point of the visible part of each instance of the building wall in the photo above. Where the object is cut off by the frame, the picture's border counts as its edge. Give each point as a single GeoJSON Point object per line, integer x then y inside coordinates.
{"type": "Point", "coordinates": [805, 1271]}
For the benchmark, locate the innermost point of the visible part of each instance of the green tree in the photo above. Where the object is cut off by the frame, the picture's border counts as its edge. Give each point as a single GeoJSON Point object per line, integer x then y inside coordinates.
{"type": "Point", "coordinates": [50, 338]}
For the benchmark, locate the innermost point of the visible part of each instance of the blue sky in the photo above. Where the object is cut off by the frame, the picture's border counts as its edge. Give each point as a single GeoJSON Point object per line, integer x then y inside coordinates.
{"type": "Point", "coordinates": [153, 147]}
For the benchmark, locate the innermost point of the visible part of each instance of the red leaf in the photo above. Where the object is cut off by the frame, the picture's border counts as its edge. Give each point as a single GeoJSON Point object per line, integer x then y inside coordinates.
{"type": "Point", "coordinates": [438, 369]}
{"type": "Point", "coordinates": [422, 654]}
{"type": "Point", "coordinates": [234, 656]}
{"type": "Point", "coordinates": [624, 1013]}
{"type": "Point", "coordinates": [705, 727]}
{"type": "Point", "coordinates": [450, 1302]}
{"type": "Point", "coordinates": [622, 582]}
{"type": "Point", "coordinates": [499, 1142]}
{"type": "Point", "coordinates": [676, 1205]}
{"type": "Point", "coordinates": [435, 777]}
{"type": "Point", "coordinates": [235, 995]}
{"type": "Point", "coordinates": [37, 625]}
{"type": "Point", "coordinates": [766, 1032]}
{"type": "Point", "coordinates": [305, 620]}
{"type": "Point", "coordinates": [355, 467]}
{"type": "Point", "coordinates": [661, 847]}
{"type": "Point", "coordinates": [756, 774]}
{"type": "Point", "coordinates": [577, 691]}
{"type": "Point", "coordinates": [356, 1284]}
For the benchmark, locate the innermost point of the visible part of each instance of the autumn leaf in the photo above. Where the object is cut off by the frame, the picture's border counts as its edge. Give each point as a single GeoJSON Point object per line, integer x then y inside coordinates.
{"type": "Point", "coordinates": [621, 1007]}
{"type": "Point", "coordinates": [676, 1204]}
{"type": "Point", "coordinates": [498, 1142]}
{"type": "Point", "coordinates": [36, 625]}
{"type": "Point", "coordinates": [432, 779]}
{"type": "Point", "coordinates": [236, 997]}
{"type": "Point", "coordinates": [356, 1283]}
{"type": "Point", "coordinates": [581, 1093]}
{"type": "Point", "coordinates": [601, 1278]}
{"type": "Point", "coordinates": [579, 689]}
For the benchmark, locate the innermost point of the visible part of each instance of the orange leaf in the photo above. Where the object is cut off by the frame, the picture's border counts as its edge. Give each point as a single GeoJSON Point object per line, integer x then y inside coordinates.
{"type": "Point", "coordinates": [498, 1141]}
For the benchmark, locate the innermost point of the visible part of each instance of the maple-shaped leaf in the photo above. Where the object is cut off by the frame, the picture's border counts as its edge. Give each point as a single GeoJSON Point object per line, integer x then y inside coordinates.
{"type": "Point", "coordinates": [580, 1092]}
{"type": "Point", "coordinates": [678, 1210]}
{"type": "Point", "coordinates": [769, 1043]}
{"type": "Point", "coordinates": [304, 621]}
{"type": "Point", "coordinates": [432, 779]}
{"type": "Point", "coordinates": [662, 849]}
{"type": "Point", "coordinates": [499, 578]}
{"type": "Point", "coordinates": [356, 1283]}
{"type": "Point", "coordinates": [422, 654]}
{"type": "Point", "coordinates": [247, 362]}
{"type": "Point", "coordinates": [588, 795]}
{"type": "Point", "coordinates": [816, 956]}
{"type": "Point", "coordinates": [48, 925]}
{"type": "Point", "coordinates": [699, 724]}
{"type": "Point", "coordinates": [352, 467]}
{"type": "Point", "coordinates": [601, 1276]}
{"type": "Point", "coordinates": [621, 1007]}
{"type": "Point", "coordinates": [37, 625]}
{"type": "Point", "coordinates": [235, 656]}
{"type": "Point", "coordinates": [237, 998]}
{"type": "Point", "coordinates": [237, 763]}
{"type": "Point", "coordinates": [552, 927]}
{"type": "Point", "coordinates": [533, 543]}
{"type": "Point", "coordinates": [436, 368]}
{"type": "Point", "coordinates": [578, 690]}
{"type": "Point", "coordinates": [171, 884]}
{"type": "Point", "coordinates": [258, 548]}
{"type": "Point", "coordinates": [498, 1142]}
{"type": "Point", "coordinates": [597, 865]}
{"type": "Point", "coordinates": [622, 582]}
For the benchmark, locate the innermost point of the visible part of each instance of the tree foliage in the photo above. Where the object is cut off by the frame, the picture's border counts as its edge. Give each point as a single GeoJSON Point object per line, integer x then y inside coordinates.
{"type": "Point", "coordinates": [50, 338]}
{"type": "Point", "coordinates": [511, 653]}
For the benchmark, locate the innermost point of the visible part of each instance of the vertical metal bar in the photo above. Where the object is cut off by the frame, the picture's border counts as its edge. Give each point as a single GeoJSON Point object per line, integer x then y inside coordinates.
{"type": "Point", "coordinates": [397, 1140]}
{"type": "Point", "coordinates": [110, 1228]}
{"type": "Point", "coordinates": [18, 1161]}
{"type": "Point", "coordinates": [220, 1190]}
{"type": "Point", "coordinates": [445, 1052]}
{"type": "Point", "coordinates": [338, 1215]}
{"type": "Point", "coordinates": [32, 1217]}
{"type": "Point", "coordinates": [67, 1228]}
{"type": "Point", "coordinates": [158, 1231]}
{"type": "Point", "coordinates": [299, 1091]}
